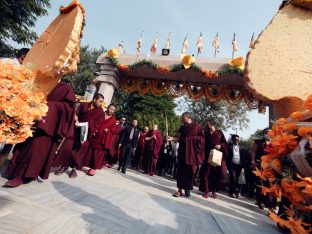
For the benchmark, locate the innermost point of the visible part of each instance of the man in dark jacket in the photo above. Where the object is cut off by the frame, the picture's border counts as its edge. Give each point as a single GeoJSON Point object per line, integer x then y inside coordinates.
{"type": "Point", "coordinates": [236, 161]}
{"type": "Point", "coordinates": [128, 143]}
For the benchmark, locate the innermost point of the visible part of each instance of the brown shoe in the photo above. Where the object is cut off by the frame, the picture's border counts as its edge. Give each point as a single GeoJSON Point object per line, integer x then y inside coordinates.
{"type": "Point", "coordinates": [73, 174]}
{"type": "Point", "coordinates": [61, 171]}
{"type": "Point", "coordinates": [178, 194]}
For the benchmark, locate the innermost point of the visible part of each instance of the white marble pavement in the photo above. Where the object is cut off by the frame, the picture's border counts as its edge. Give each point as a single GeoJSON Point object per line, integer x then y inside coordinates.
{"type": "Point", "coordinates": [111, 202]}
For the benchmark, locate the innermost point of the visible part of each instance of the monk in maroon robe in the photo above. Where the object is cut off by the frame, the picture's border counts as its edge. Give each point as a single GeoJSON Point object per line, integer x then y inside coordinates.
{"type": "Point", "coordinates": [153, 145]}
{"type": "Point", "coordinates": [139, 153]}
{"type": "Point", "coordinates": [114, 151]}
{"type": "Point", "coordinates": [190, 153]}
{"type": "Point", "coordinates": [73, 153]}
{"type": "Point", "coordinates": [34, 157]}
{"type": "Point", "coordinates": [211, 176]}
{"type": "Point", "coordinates": [101, 142]}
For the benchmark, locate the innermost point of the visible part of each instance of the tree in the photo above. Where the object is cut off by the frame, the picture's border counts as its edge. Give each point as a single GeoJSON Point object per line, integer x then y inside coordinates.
{"type": "Point", "coordinates": [148, 109]}
{"type": "Point", "coordinates": [224, 115]}
{"type": "Point", "coordinates": [17, 17]}
{"type": "Point", "coordinates": [86, 69]}
{"type": "Point", "coordinates": [249, 142]}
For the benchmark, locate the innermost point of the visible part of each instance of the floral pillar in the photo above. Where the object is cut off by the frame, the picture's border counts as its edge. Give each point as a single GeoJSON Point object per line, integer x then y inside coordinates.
{"type": "Point", "coordinates": [107, 79]}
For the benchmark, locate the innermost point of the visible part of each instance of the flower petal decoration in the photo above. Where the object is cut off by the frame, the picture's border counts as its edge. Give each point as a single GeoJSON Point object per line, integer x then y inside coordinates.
{"type": "Point", "coordinates": [112, 53]}
{"type": "Point", "coordinates": [237, 62]}
{"type": "Point", "coordinates": [187, 61]}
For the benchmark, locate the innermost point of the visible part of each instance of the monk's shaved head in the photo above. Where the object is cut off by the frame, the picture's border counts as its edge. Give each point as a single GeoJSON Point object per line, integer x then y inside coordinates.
{"type": "Point", "coordinates": [98, 96]}
{"type": "Point", "coordinates": [186, 118]}
{"type": "Point", "coordinates": [98, 100]}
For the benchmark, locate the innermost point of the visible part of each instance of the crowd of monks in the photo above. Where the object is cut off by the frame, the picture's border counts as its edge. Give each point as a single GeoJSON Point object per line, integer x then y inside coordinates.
{"type": "Point", "coordinates": [58, 143]}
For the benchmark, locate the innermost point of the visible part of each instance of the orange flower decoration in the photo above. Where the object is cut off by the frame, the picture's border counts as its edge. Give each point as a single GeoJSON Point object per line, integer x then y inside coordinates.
{"type": "Point", "coordinates": [163, 69]}
{"type": "Point", "coordinates": [259, 173]}
{"type": "Point", "coordinates": [123, 67]}
{"type": "Point", "coordinates": [304, 131]}
{"type": "Point", "coordinates": [21, 104]}
{"type": "Point", "coordinates": [284, 143]}
{"type": "Point", "coordinates": [297, 116]}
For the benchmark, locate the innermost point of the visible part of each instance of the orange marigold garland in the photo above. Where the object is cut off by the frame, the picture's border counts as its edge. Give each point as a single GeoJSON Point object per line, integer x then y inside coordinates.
{"type": "Point", "coordinates": [20, 103]}
{"type": "Point", "coordinates": [284, 179]}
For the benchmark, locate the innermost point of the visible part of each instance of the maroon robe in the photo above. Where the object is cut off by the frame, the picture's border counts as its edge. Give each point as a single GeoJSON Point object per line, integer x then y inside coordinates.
{"type": "Point", "coordinates": [152, 151]}
{"type": "Point", "coordinates": [114, 151]}
{"type": "Point", "coordinates": [34, 157]}
{"type": "Point", "coordinates": [100, 144]}
{"type": "Point", "coordinates": [72, 153]}
{"type": "Point", "coordinates": [210, 176]}
{"type": "Point", "coordinates": [139, 153]}
{"type": "Point", "coordinates": [190, 154]}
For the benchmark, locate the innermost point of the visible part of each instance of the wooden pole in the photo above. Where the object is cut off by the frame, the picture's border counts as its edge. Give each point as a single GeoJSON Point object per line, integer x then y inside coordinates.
{"type": "Point", "coordinates": [166, 123]}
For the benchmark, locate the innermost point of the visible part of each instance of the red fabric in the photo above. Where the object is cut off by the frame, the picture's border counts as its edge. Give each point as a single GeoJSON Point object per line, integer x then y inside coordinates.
{"type": "Point", "coordinates": [210, 176]}
{"type": "Point", "coordinates": [59, 120]}
{"type": "Point", "coordinates": [72, 153]}
{"type": "Point", "coordinates": [194, 150]}
{"type": "Point", "coordinates": [96, 158]}
{"type": "Point", "coordinates": [191, 144]}
{"type": "Point", "coordinates": [101, 144]}
{"type": "Point", "coordinates": [101, 139]}
{"type": "Point", "coordinates": [34, 157]}
{"type": "Point", "coordinates": [139, 152]}
{"type": "Point", "coordinates": [154, 145]}
{"type": "Point", "coordinates": [92, 116]}
{"type": "Point", "coordinates": [152, 166]}
{"type": "Point", "coordinates": [188, 159]}
{"type": "Point", "coordinates": [116, 131]}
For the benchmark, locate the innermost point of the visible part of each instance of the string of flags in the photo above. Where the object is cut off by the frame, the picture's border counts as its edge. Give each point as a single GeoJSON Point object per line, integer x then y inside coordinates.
{"type": "Point", "coordinates": [185, 45]}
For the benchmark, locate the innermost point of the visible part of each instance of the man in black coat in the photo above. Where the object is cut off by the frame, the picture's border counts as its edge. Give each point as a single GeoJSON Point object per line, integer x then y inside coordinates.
{"type": "Point", "coordinates": [236, 161]}
{"type": "Point", "coordinates": [128, 143]}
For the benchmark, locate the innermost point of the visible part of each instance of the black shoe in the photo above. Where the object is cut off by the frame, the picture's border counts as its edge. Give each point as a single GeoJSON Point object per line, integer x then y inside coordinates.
{"type": "Point", "coordinates": [123, 171]}
{"type": "Point", "coordinates": [260, 206]}
{"type": "Point", "coordinates": [187, 193]}
{"type": "Point", "coordinates": [231, 195]}
{"type": "Point", "coordinates": [118, 169]}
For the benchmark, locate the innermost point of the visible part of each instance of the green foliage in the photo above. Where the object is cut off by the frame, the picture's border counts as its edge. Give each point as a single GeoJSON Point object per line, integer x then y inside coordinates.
{"type": "Point", "coordinates": [247, 143]}
{"type": "Point", "coordinates": [17, 17]}
{"type": "Point", "coordinates": [86, 69]}
{"type": "Point", "coordinates": [148, 109]}
{"type": "Point", "coordinates": [144, 62]}
{"type": "Point", "coordinates": [230, 70]}
{"type": "Point", "coordinates": [113, 61]}
{"type": "Point", "coordinates": [224, 115]}
{"type": "Point", "coordinates": [176, 67]}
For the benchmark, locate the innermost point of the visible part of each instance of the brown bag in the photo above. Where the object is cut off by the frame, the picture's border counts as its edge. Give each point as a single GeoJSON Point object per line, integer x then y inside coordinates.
{"type": "Point", "coordinates": [215, 158]}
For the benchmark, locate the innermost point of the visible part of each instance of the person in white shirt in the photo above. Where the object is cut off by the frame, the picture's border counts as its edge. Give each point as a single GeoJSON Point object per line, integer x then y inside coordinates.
{"type": "Point", "coordinates": [236, 161]}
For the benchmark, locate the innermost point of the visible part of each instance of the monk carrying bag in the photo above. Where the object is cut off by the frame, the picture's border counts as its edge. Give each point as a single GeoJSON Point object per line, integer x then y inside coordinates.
{"type": "Point", "coordinates": [215, 158]}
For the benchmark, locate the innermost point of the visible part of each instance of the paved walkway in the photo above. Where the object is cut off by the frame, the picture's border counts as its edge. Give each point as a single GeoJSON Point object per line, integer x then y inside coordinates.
{"type": "Point", "coordinates": [111, 202]}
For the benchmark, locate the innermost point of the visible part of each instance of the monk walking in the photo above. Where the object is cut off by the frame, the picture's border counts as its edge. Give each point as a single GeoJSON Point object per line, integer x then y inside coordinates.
{"type": "Point", "coordinates": [139, 153]}
{"type": "Point", "coordinates": [34, 157]}
{"type": "Point", "coordinates": [211, 176]}
{"type": "Point", "coordinates": [114, 152]}
{"type": "Point", "coordinates": [73, 151]}
{"type": "Point", "coordinates": [190, 153]}
{"type": "Point", "coordinates": [101, 142]}
{"type": "Point", "coordinates": [153, 145]}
